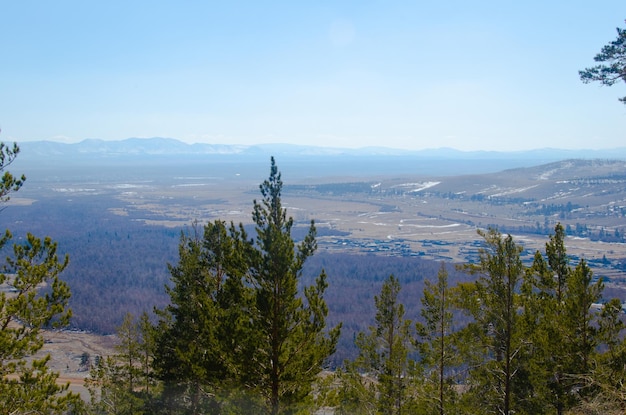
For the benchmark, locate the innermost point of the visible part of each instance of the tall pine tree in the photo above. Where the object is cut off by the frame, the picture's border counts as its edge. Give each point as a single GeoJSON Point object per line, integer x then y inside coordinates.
{"type": "Point", "coordinates": [292, 340]}
{"type": "Point", "coordinates": [199, 337]}
{"type": "Point", "coordinates": [493, 303]}
{"type": "Point", "coordinates": [438, 347]}
{"type": "Point", "coordinates": [384, 358]}
{"type": "Point", "coordinates": [560, 324]}
{"type": "Point", "coordinates": [29, 386]}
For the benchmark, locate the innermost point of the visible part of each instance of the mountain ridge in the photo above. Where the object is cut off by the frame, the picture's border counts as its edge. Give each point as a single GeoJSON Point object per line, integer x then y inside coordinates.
{"type": "Point", "coordinates": [157, 146]}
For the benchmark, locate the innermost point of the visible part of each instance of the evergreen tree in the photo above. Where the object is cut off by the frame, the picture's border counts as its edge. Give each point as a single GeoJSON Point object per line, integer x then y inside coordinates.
{"type": "Point", "coordinates": [198, 336]}
{"type": "Point", "coordinates": [108, 385]}
{"type": "Point", "coordinates": [357, 393]}
{"type": "Point", "coordinates": [384, 355]}
{"type": "Point", "coordinates": [30, 387]}
{"type": "Point", "coordinates": [145, 354]}
{"type": "Point", "coordinates": [580, 316]}
{"type": "Point", "coordinates": [438, 348]}
{"type": "Point", "coordinates": [291, 337]}
{"type": "Point", "coordinates": [559, 323]}
{"type": "Point", "coordinates": [614, 71]}
{"type": "Point", "coordinates": [9, 183]}
{"type": "Point", "coordinates": [607, 376]}
{"type": "Point", "coordinates": [128, 351]}
{"type": "Point", "coordinates": [543, 293]}
{"type": "Point", "coordinates": [497, 383]}
{"type": "Point", "coordinates": [123, 383]}
{"type": "Point", "coordinates": [237, 325]}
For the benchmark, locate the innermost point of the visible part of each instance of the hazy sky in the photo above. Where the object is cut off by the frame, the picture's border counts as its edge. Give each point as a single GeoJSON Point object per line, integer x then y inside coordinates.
{"type": "Point", "coordinates": [494, 75]}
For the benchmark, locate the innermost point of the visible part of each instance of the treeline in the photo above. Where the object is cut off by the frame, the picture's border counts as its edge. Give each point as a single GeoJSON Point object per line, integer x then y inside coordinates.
{"type": "Point", "coordinates": [538, 342]}
{"type": "Point", "coordinates": [609, 235]}
{"type": "Point", "coordinates": [247, 332]}
{"type": "Point", "coordinates": [517, 339]}
{"type": "Point", "coordinates": [117, 265]}
{"type": "Point", "coordinates": [355, 279]}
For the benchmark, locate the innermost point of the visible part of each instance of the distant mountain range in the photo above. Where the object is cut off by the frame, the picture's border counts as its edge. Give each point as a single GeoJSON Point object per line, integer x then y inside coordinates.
{"type": "Point", "coordinates": [298, 161]}
{"type": "Point", "coordinates": [172, 147]}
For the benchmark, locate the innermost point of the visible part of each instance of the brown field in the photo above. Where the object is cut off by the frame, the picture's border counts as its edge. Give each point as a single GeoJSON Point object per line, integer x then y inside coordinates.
{"type": "Point", "coordinates": [66, 349]}
{"type": "Point", "coordinates": [412, 217]}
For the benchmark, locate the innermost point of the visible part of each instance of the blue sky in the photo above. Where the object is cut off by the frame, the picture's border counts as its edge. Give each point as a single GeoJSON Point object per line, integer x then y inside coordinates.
{"type": "Point", "coordinates": [490, 75]}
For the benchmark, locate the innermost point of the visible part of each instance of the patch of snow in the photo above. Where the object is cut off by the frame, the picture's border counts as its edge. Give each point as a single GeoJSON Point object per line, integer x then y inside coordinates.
{"type": "Point", "coordinates": [189, 185]}
{"type": "Point", "coordinates": [72, 190]}
{"type": "Point", "coordinates": [513, 191]}
{"type": "Point", "coordinates": [418, 186]}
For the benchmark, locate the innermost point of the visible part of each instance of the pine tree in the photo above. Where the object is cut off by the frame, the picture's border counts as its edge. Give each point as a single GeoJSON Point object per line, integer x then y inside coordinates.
{"type": "Point", "coordinates": [543, 293]}
{"type": "Point", "coordinates": [146, 347]}
{"type": "Point", "coordinates": [108, 385]}
{"type": "Point", "coordinates": [196, 339]}
{"type": "Point", "coordinates": [9, 183]}
{"type": "Point", "coordinates": [384, 355]}
{"type": "Point", "coordinates": [128, 351]}
{"type": "Point", "coordinates": [357, 393]}
{"type": "Point", "coordinates": [293, 342]}
{"type": "Point", "coordinates": [580, 316]}
{"type": "Point", "coordinates": [559, 323]}
{"type": "Point", "coordinates": [24, 311]}
{"type": "Point", "coordinates": [122, 383]}
{"type": "Point", "coordinates": [608, 371]}
{"type": "Point", "coordinates": [493, 303]}
{"type": "Point", "coordinates": [239, 335]}
{"type": "Point", "coordinates": [614, 68]}
{"type": "Point", "coordinates": [438, 347]}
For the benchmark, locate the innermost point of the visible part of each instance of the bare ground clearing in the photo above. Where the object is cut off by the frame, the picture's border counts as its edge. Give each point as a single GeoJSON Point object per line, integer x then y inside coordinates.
{"type": "Point", "coordinates": [66, 350]}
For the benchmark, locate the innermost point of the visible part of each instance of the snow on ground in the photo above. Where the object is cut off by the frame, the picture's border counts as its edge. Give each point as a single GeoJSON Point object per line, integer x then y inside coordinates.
{"type": "Point", "coordinates": [418, 187]}
{"type": "Point", "coordinates": [451, 225]}
{"type": "Point", "coordinates": [513, 191]}
{"type": "Point", "coordinates": [546, 175]}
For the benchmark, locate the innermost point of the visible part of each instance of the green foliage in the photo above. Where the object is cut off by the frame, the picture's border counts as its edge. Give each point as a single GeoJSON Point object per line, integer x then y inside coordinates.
{"type": "Point", "coordinates": [9, 182]}
{"type": "Point", "coordinates": [292, 340]}
{"type": "Point", "coordinates": [439, 345]}
{"type": "Point", "coordinates": [34, 298]}
{"type": "Point", "coordinates": [543, 297]}
{"type": "Point", "coordinates": [242, 335]}
{"type": "Point", "coordinates": [493, 303]}
{"type": "Point", "coordinates": [201, 336]}
{"type": "Point", "coordinates": [123, 383]}
{"type": "Point", "coordinates": [357, 392]}
{"type": "Point", "coordinates": [239, 336]}
{"type": "Point", "coordinates": [561, 325]}
{"type": "Point", "coordinates": [24, 311]}
{"type": "Point", "coordinates": [607, 374]}
{"type": "Point", "coordinates": [580, 316]}
{"type": "Point", "coordinates": [109, 389]}
{"type": "Point", "coordinates": [383, 367]}
{"type": "Point", "coordinates": [614, 68]}
{"type": "Point", "coordinates": [533, 344]}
